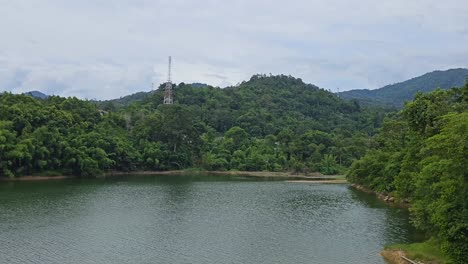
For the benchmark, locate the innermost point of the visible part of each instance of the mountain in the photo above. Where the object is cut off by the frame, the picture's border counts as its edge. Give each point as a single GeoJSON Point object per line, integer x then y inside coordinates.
{"type": "Point", "coordinates": [37, 94]}
{"type": "Point", "coordinates": [396, 94]}
{"type": "Point", "coordinates": [262, 105]}
{"type": "Point", "coordinates": [125, 100]}
{"type": "Point", "coordinates": [199, 85]}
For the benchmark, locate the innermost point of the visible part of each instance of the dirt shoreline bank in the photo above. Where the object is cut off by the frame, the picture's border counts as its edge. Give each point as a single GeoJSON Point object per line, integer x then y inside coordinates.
{"type": "Point", "coordinates": [393, 256]}
{"type": "Point", "coordinates": [313, 175]}
{"type": "Point", "coordinates": [337, 181]}
{"type": "Point", "coordinates": [37, 178]}
{"type": "Point", "coordinates": [261, 174]}
{"type": "Point", "coordinates": [383, 196]}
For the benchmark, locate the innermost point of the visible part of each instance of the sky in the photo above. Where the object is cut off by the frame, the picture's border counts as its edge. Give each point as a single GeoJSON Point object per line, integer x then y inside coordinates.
{"type": "Point", "coordinates": [104, 49]}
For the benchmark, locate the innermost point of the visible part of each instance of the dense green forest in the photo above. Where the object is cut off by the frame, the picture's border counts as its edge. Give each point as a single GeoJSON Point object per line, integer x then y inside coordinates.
{"type": "Point", "coordinates": [272, 123]}
{"type": "Point", "coordinates": [421, 155]}
{"type": "Point", "coordinates": [397, 94]}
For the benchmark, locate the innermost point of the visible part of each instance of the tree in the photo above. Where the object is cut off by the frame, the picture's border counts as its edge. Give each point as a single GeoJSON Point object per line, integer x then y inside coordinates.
{"type": "Point", "coordinates": [7, 143]}
{"type": "Point", "coordinates": [236, 139]}
{"type": "Point", "coordinates": [329, 165]}
{"type": "Point", "coordinates": [441, 196]}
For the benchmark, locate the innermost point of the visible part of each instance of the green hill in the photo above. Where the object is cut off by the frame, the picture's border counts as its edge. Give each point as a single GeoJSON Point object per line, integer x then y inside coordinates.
{"type": "Point", "coordinates": [272, 123]}
{"type": "Point", "coordinates": [262, 105]}
{"type": "Point", "coordinates": [399, 93]}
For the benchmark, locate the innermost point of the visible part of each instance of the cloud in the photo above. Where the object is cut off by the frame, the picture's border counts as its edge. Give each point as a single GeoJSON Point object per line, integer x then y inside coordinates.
{"type": "Point", "coordinates": [107, 49]}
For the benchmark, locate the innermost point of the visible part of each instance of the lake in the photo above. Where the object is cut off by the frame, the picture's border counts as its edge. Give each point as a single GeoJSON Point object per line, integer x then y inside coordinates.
{"type": "Point", "coordinates": [194, 219]}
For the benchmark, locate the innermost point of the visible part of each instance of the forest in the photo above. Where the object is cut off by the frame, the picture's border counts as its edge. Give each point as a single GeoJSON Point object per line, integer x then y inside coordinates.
{"type": "Point", "coordinates": [269, 123]}
{"type": "Point", "coordinates": [420, 155]}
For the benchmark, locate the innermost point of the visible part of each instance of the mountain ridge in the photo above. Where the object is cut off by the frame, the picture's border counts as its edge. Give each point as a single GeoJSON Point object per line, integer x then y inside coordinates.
{"type": "Point", "coordinates": [37, 94]}
{"type": "Point", "coordinates": [391, 95]}
{"type": "Point", "coordinates": [396, 94]}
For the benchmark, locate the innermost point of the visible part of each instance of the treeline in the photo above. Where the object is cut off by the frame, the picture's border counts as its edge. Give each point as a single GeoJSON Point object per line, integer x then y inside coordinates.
{"type": "Point", "coordinates": [269, 123]}
{"type": "Point", "coordinates": [60, 135]}
{"type": "Point", "coordinates": [421, 154]}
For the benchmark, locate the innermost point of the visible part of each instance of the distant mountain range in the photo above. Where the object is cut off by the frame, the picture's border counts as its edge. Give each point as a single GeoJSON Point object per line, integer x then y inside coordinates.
{"type": "Point", "coordinates": [393, 95]}
{"type": "Point", "coordinates": [199, 85]}
{"type": "Point", "coordinates": [37, 94]}
{"type": "Point", "coordinates": [396, 94]}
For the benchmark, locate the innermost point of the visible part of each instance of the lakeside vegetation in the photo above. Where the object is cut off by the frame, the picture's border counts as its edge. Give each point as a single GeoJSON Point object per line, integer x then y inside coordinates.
{"type": "Point", "coordinates": [427, 252]}
{"type": "Point", "coordinates": [421, 155]}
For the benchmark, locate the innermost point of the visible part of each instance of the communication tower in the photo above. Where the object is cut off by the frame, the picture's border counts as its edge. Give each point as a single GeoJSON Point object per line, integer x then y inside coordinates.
{"type": "Point", "coordinates": [168, 98]}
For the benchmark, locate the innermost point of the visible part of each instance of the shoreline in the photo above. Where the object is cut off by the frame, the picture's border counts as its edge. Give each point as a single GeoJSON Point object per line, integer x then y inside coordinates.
{"type": "Point", "coordinates": [393, 256]}
{"type": "Point", "coordinates": [269, 174]}
{"type": "Point", "coordinates": [309, 177]}
{"type": "Point", "coordinates": [407, 252]}
{"type": "Point", "coordinates": [428, 252]}
{"type": "Point", "coordinates": [337, 181]}
{"type": "Point", "coordinates": [391, 200]}
{"type": "Point", "coordinates": [37, 178]}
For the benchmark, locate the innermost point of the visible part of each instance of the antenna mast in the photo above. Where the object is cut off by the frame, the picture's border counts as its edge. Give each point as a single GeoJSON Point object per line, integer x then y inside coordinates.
{"type": "Point", "coordinates": [168, 99]}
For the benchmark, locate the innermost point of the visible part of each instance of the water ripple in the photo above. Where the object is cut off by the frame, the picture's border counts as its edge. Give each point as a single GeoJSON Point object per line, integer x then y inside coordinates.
{"type": "Point", "coordinates": [187, 220]}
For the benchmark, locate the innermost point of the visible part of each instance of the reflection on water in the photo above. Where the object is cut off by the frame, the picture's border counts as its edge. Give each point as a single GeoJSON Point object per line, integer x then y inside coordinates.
{"type": "Point", "coordinates": [197, 219]}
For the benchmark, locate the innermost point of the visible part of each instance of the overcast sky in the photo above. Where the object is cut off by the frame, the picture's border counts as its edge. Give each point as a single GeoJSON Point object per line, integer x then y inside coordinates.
{"type": "Point", "coordinates": [102, 49]}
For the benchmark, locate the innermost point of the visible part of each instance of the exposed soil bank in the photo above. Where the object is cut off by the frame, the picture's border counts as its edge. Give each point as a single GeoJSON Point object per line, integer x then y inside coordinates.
{"type": "Point", "coordinates": [428, 252]}
{"type": "Point", "coordinates": [383, 196]}
{"type": "Point", "coordinates": [393, 256]}
{"type": "Point", "coordinates": [37, 178]}
{"type": "Point", "coordinates": [262, 174]}
{"type": "Point", "coordinates": [396, 256]}
{"type": "Point", "coordinates": [337, 181]}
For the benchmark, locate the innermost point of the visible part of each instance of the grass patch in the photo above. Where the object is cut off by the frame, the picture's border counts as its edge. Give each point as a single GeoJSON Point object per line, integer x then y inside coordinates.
{"type": "Point", "coordinates": [428, 252]}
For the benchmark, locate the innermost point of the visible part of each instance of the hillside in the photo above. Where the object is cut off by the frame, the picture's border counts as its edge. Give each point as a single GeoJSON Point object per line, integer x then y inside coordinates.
{"type": "Point", "coordinates": [261, 105]}
{"type": "Point", "coordinates": [274, 123]}
{"type": "Point", "coordinates": [139, 96]}
{"type": "Point", "coordinates": [125, 100]}
{"type": "Point", "coordinates": [397, 94]}
{"type": "Point", "coordinates": [37, 94]}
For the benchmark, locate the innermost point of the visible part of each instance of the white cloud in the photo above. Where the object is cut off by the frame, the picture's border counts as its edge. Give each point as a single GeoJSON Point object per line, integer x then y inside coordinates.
{"type": "Point", "coordinates": [107, 49]}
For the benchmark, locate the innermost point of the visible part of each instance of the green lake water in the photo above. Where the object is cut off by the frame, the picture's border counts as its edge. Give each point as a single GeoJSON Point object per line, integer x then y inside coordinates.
{"type": "Point", "coordinates": [184, 219]}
